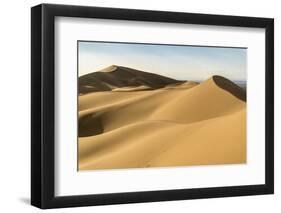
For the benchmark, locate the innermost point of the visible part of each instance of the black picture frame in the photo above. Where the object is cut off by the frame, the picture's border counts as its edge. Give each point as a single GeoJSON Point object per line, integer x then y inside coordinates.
{"type": "Point", "coordinates": [43, 111]}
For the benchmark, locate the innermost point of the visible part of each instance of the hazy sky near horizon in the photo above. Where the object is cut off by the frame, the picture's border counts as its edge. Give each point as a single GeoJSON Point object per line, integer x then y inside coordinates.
{"type": "Point", "coordinates": [178, 62]}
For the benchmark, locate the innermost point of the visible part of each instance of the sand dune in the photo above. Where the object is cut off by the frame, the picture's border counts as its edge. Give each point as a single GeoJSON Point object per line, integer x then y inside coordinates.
{"type": "Point", "coordinates": [179, 124]}
{"type": "Point", "coordinates": [114, 77]}
{"type": "Point", "coordinates": [132, 88]}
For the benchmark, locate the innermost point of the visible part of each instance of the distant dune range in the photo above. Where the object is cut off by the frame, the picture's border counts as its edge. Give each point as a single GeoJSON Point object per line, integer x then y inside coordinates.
{"type": "Point", "coordinates": [134, 119]}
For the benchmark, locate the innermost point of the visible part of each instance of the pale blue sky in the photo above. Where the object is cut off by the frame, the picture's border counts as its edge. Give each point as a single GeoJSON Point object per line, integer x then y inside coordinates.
{"type": "Point", "coordinates": [178, 62]}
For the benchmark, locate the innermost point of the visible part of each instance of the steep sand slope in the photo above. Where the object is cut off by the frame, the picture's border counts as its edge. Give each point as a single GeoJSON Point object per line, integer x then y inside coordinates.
{"type": "Point", "coordinates": [197, 125]}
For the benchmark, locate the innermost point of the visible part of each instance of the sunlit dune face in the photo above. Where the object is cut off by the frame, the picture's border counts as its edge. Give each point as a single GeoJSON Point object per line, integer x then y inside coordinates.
{"type": "Point", "coordinates": [135, 119]}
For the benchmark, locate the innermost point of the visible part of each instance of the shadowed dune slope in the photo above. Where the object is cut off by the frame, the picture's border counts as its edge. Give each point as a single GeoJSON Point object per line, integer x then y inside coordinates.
{"type": "Point", "coordinates": [230, 87]}
{"type": "Point", "coordinates": [179, 125]}
{"type": "Point", "coordinates": [114, 77]}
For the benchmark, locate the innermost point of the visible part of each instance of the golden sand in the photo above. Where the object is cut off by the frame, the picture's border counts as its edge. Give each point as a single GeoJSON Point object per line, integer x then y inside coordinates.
{"type": "Point", "coordinates": [177, 125]}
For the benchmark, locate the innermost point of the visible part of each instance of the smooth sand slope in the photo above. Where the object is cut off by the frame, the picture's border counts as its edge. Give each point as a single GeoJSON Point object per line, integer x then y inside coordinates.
{"type": "Point", "coordinates": [174, 123]}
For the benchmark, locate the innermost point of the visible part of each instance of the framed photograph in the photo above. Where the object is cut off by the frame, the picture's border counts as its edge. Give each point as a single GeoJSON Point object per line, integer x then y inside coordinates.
{"type": "Point", "coordinates": [139, 106]}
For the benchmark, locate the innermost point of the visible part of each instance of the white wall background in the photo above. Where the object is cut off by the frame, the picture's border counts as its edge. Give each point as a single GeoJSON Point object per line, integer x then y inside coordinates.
{"type": "Point", "coordinates": [15, 105]}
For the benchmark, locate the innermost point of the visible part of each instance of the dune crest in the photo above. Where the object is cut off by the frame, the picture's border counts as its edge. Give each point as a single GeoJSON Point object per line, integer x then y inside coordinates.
{"type": "Point", "coordinates": [175, 124]}
{"type": "Point", "coordinates": [111, 68]}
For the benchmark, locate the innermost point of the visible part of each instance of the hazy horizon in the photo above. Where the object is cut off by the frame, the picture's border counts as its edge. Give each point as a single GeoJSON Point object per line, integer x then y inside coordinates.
{"type": "Point", "coordinates": [174, 61]}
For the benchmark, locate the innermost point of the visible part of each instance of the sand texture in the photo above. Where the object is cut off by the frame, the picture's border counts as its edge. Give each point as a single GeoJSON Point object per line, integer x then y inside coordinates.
{"type": "Point", "coordinates": [134, 119]}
